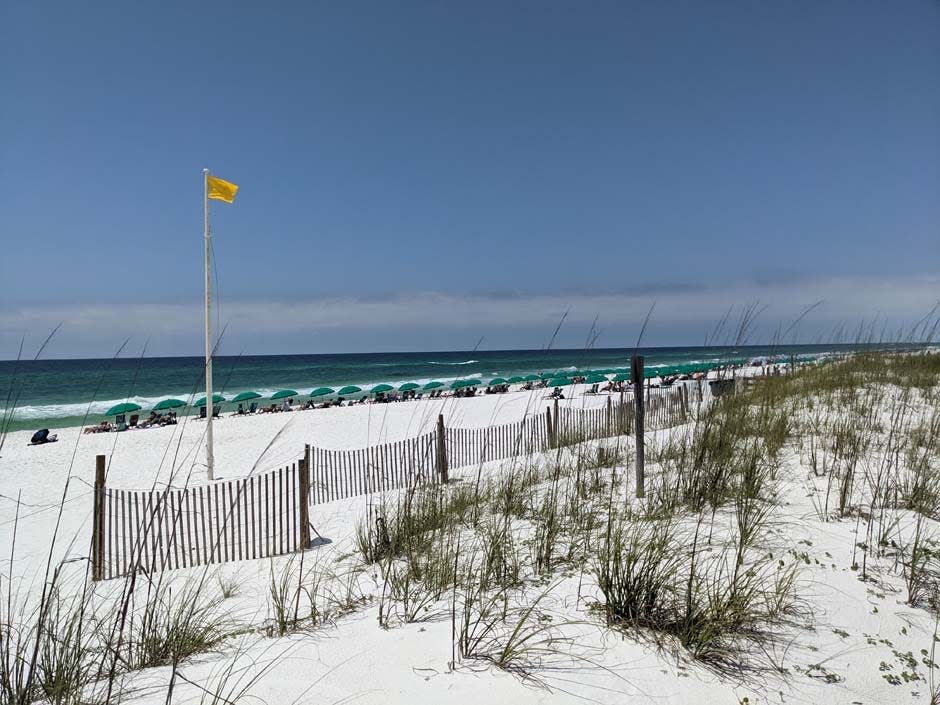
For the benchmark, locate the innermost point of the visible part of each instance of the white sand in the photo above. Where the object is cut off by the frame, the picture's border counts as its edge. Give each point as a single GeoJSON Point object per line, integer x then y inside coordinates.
{"type": "Point", "coordinates": [854, 638]}
{"type": "Point", "coordinates": [263, 442]}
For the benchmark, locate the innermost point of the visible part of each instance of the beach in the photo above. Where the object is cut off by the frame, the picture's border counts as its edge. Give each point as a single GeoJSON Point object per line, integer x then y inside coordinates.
{"type": "Point", "coordinates": [145, 458]}
{"type": "Point", "coordinates": [836, 646]}
{"type": "Point", "coordinates": [62, 393]}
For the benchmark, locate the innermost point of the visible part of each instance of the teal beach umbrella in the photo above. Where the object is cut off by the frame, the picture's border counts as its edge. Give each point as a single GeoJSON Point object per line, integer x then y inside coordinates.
{"type": "Point", "coordinates": [408, 386]}
{"type": "Point", "coordinates": [622, 377]}
{"type": "Point", "coordinates": [379, 388]}
{"type": "Point", "coordinates": [284, 393]}
{"type": "Point", "coordinates": [321, 391]}
{"type": "Point", "coordinates": [496, 380]}
{"type": "Point", "coordinates": [349, 389]}
{"type": "Point", "coordinates": [246, 396]}
{"type": "Point", "coordinates": [168, 404]}
{"type": "Point", "coordinates": [532, 378]}
{"type": "Point", "coordinates": [433, 385]}
{"type": "Point", "coordinates": [216, 399]}
{"type": "Point", "coordinates": [516, 379]}
{"type": "Point", "coordinates": [124, 408]}
{"type": "Point", "coordinates": [595, 379]}
{"type": "Point", "coordinates": [559, 382]}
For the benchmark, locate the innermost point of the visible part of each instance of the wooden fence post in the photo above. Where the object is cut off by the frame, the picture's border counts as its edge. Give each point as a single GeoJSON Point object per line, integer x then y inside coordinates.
{"type": "Point", "coordinates": [97, 529]}
{"type": "Point", "coordinates": [442, 449]}
{"type": "Point", "coordinates": [684, 398]}
{"type": "Point", "coordinates": [607, 417]}
{"type": "Point", "coordinates": [555, 418]}
{"type": "Point", "coordinates": [636, 373]}
{"type": "Point", "coordinates": [304, 499]}
{"type": "Point", "coordinates": [548, 427]}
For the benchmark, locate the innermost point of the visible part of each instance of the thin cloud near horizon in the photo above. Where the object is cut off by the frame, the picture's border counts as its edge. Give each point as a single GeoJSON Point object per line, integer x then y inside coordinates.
{"type": "Point", "coordinates": [425, 321]}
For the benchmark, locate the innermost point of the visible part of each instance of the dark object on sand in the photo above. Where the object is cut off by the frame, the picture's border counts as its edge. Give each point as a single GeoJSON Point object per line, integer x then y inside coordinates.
{"type": "Point", "coordinates": [42, 436]}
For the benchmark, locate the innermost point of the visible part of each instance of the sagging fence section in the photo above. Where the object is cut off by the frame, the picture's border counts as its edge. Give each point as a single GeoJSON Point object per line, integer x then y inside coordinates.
{"type": "Point", "coordinates": [153, 530]}
{"type": "Point", "coordinates": [268, 514]}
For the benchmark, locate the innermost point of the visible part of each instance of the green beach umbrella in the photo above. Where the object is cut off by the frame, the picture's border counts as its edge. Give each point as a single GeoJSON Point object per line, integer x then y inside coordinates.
{"type": "Point", "coordinates": [461, 383]}
{"type": "Point", "coordinates": [168, 404]}
{"type": "Point", "coordinates": [516, 379]}
{"type": "Point", "coordinates": [559, 382]}
{"type": "Point", "coordinates": [321, 391]}
{"type": "Point", "coordinates": [284, 393]}
{"type": "Point", "coordinates": [595, 379]}
{"type": "Point", "coordinates": [246, 396]}
{"type": "Point", "coordinates": [622, 377]}
{"type": "Point", "coordinates": [496, 380]}
{"type": "Point", "coordinates": [349, 389]}
{"type": "Point", "coordinates": [408, 386]}
{"type": "Point", "coordinates": [122, 409]}
{"type": "Point", "coordinates": [547, 375]}
{"type": "Point", "coordinates": [433, 385]}
{"type": "Point", "coordinates": [216, 399]}
{"type": "Point", "coordinates": [532, 378]}
{"type": "Point", "coordinates": [379, 388]}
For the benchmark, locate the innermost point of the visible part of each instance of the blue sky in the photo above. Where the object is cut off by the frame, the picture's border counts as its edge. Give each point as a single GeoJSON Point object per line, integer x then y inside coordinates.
{"type": "Point", "coordinates": [418, 175]}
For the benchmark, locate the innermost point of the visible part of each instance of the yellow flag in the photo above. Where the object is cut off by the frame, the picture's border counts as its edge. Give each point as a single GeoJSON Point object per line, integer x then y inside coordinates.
{"type": "Point", "coordinates": [221, 190]}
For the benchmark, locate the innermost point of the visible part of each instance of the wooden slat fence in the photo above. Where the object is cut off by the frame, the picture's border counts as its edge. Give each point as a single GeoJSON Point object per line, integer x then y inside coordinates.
{"type": "Point", "coordinates": [267, 515]}
{"type": "Point", "coordinates": [666, 407]}
{"type": "Point", "coordinates": [576, 425]}
{"type": "Point", "coordinates": [471, 446]}
{"type": "Point", "coordinates": [151, 530]}
{"type": "Point", "coordinates": [338, 474]}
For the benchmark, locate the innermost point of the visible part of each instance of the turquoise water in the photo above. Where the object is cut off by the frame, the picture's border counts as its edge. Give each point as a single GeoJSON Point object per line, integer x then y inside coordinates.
{"type": "Point", "coordinates": [57, 393]}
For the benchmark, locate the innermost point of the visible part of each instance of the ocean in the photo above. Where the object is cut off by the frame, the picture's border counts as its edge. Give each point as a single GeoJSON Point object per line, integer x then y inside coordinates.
{"type": "Point", "coordinates": [59, 393]}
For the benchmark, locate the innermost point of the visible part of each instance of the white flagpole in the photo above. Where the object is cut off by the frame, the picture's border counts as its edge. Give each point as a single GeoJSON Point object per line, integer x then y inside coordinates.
{"type": "Point", "coordinates": [210, 459]}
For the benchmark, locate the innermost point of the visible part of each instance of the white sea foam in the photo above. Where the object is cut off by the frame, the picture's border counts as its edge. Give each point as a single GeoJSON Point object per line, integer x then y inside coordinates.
{"type": "Point", "coordinates": [55, 411]}
{"type": "Point", "coordinates": [466, 362]}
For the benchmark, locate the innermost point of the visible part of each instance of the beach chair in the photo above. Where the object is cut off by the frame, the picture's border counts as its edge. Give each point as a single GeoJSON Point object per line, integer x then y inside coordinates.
{"type": "Point", "coordinates": [216, 410]}
{"type": "Point", "coordinates": [252, 408]}
{"type": "Point", "coordinates": [202, 413]}
{"type": "Point", "coordinates": [133, 421]}
{"type": "Point", "coordinates": [120, 423]}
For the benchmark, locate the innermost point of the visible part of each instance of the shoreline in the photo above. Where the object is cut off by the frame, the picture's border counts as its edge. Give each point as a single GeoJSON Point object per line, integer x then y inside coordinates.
{"type": "Point", "coordinates": [59, 395]}
{"type": "Point", "coordinates": [33, 417]}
